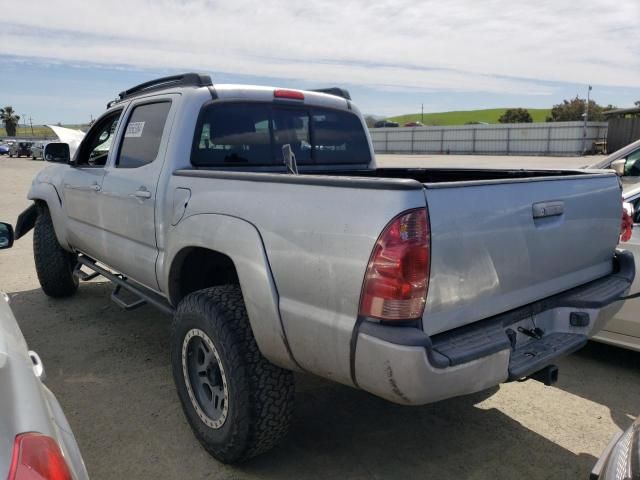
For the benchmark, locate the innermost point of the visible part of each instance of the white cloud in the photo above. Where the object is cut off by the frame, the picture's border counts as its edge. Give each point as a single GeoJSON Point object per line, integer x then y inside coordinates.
{"type": "Point", "coordinates": [498, 46]}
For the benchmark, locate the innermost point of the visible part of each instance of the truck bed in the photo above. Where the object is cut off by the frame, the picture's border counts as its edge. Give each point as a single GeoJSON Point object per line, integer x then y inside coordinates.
{"type": "Point", "coordinates": [488, 253]}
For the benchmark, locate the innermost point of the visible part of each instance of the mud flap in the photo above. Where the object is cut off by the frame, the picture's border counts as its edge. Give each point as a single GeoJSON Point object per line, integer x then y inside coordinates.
{"type": "Point", "coordinates": [26, 221]}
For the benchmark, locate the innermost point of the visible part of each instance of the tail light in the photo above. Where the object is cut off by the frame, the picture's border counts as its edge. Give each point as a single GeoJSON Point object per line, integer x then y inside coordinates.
{"type": "Point", "coordinates": [397, 278]}
{"type": "Point", "coordinates": [37, 457]}
{"type": "Point", "coordinates": [626, 227]}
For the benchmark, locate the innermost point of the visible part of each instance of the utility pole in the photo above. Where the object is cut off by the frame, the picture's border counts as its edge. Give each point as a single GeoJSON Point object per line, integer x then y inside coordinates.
{"type": "Point", "coordinates": [31, 123]}
{"type": "Point", "coordinates": [24, 118]}
{"type": "Point", "coordinates": [586, 119]}
{"type": "Point", "coordinates": [422, 114]}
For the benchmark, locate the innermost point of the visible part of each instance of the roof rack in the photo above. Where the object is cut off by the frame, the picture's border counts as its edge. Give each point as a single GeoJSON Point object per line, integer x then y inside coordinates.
{"type": "Point", "coordinates": [181, 80]}
{"type": "Point", "coordinates": [335, 91]}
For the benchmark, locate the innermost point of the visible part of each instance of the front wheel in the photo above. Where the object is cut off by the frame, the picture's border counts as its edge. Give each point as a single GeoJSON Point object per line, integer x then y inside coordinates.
{"type": "Point", "coordinates": [237, 403]}
{"type": "Point", "coordinates": [54, 264]}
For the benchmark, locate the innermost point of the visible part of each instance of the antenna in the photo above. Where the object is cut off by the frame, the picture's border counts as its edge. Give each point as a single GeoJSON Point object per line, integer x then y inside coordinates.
{"type": "Point", "coordinates": [289, 159]}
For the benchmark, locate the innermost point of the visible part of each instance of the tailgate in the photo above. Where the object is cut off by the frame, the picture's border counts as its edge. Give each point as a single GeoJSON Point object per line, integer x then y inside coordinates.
{"type": "Point", "coordinates": [498, 245]}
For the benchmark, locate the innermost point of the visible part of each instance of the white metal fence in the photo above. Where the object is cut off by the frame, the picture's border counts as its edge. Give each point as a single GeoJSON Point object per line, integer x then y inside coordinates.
{"type": "Point", "coordinates": [553, 138]}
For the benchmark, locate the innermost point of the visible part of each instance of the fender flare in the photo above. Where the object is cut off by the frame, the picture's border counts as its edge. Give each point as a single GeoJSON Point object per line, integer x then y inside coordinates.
{"type": "Point", "coordinates": [47, 193]}
{"type": "Point", "coordinates": [242, 243]}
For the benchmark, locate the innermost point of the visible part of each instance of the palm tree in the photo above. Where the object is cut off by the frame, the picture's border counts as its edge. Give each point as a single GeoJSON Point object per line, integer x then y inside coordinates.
{"type": "Point", "coordinates": [10, 120]}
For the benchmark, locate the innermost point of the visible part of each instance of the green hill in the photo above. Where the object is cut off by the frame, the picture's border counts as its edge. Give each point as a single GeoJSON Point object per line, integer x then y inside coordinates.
{"type": "Point", "coordinates": [490, 115]}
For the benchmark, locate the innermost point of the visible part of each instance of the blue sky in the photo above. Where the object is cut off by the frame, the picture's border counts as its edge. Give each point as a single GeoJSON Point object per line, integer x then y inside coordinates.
{"type": "Point", "coordinates": [392, 55]}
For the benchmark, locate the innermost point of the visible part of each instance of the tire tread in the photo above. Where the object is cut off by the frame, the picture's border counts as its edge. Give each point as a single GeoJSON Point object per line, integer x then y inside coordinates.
{"type": "Point", "coordinates": [54, 265]}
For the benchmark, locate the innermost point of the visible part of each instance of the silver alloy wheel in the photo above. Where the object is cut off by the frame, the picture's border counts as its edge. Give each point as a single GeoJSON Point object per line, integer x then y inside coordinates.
{"type": "Point", "coordinates": [205, 378]}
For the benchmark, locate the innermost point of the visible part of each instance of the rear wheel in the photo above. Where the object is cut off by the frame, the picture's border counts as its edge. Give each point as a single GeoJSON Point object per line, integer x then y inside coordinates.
{"type": "Point", "coordinates": [54, 264]}
{"type": "Point", "coordinates": [237, 403]}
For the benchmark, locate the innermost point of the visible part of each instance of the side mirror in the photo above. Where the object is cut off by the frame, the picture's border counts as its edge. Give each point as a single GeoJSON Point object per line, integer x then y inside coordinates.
{"type": "Point", "coordinates": [6, 235]}
{"type": "Point", "coordinates": [618, 166]}
{"type": "Point", "coordinates": [57, 153]}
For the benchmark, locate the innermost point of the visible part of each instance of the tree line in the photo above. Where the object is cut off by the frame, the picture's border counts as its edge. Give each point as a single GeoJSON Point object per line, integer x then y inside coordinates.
{"type": "Point", "coordinates": [568, 111]}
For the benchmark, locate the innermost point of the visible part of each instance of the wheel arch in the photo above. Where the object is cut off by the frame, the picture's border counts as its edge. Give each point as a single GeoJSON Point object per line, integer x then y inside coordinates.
{"type": "Point", "coordinates": [211, 249]}
{"type": "Point", "coordinates": [46, 195]}
{"type": "Point", "coordinates": [196, 268]}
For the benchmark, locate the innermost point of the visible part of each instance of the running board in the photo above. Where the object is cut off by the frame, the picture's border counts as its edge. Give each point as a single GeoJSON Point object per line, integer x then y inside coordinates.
{"type": "Point", "coordinates": [142, 295]}
{"type": "Point", "coordinates": [83, 276]}
{"type": "Point", "coordinates": [118, 299]}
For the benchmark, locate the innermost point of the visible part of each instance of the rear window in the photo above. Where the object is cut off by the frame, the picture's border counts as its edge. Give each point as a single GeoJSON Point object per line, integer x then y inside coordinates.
{"type": "Point", "coordinates": [339, 138]}
{"type": "Point", "coordinates": [291, 126]}
{"type": "Point", "coordinates": [241, 133]}
{"type": "Point", "coordinates": [232, 134]}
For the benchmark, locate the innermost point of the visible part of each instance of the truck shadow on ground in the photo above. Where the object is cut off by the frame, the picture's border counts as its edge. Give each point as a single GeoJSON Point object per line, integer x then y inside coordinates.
{"type": "Point", "coordinates": [111, 372]}
{"type": "Point", "coordinates": [606, 375]}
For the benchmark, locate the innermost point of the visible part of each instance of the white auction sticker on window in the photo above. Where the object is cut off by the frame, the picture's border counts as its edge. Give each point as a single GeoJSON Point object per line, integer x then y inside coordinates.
{"type": "Point", "coordinates": [134, 130]}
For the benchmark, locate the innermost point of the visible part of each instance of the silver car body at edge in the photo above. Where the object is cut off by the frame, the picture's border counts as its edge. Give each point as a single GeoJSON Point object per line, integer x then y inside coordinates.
{"type": "Point", "coordinates": [301, 245]}
{"type": "Point", "coordinates": [27, 405]}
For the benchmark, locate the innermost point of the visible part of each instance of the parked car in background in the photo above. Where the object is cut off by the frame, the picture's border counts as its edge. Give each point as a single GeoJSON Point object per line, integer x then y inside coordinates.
{"type": "Point", "coordinates": [36, 441]}
{"type": "Point", "coordinates": [621, 459]}
{"type": "Point", "coordinates": [626, 163]}
{"type": "Point", "coordinates": [623, 329]}
{"type": "Point", "coordinates": [20, 149]}
{"type": "Point", "coordinates": [385, 123]}
{"type": "Point", "coordinates": [4, 149]}
{"type": "Point", "coordinates": [37, 150]}
{"type": "Point", "coordinates": [414, 124]}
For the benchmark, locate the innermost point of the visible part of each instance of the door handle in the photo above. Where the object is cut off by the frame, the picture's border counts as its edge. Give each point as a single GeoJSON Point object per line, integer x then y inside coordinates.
{"type": "Point", "coordinates": [142, 193]}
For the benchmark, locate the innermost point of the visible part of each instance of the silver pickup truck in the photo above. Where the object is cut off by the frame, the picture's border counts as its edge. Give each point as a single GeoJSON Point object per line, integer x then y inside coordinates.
{"type": "Point", "coordinates": [258, 219]}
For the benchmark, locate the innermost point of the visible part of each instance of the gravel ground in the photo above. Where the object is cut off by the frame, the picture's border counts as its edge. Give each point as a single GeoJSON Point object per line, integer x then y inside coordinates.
{"type": "Point", "coordinates": [110, 370]}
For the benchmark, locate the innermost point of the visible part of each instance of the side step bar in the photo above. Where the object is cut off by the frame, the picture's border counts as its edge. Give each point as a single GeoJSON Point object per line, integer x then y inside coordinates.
{"type": "Point", "coordinates": [142, 295]}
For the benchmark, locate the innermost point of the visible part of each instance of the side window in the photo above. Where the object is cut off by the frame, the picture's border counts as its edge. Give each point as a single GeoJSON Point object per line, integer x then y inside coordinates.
{"type": "Point", "coordinates": [234, 133]}
{"type": "Point", "coordinates": [95, 147]}
{"type": "Point", "coordinates": [632, 164]}
{"type": "Point", "coordinates": [143, 134]}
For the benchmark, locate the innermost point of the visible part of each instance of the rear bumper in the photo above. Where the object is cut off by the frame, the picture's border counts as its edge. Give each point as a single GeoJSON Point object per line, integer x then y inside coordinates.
{"type": "Point", "coordinates": [406, 366]}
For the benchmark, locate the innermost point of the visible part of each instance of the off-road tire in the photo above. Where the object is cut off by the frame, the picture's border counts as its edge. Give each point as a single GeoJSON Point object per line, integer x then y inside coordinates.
{"type": "Point", "coordinates": [54, 264]}
{"type": "Point", "coordinates": [260, 394]}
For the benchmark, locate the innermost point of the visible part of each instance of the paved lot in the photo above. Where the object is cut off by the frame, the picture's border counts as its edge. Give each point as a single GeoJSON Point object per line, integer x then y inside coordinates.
{"type": "Point", "coordinates": [110, 370]}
